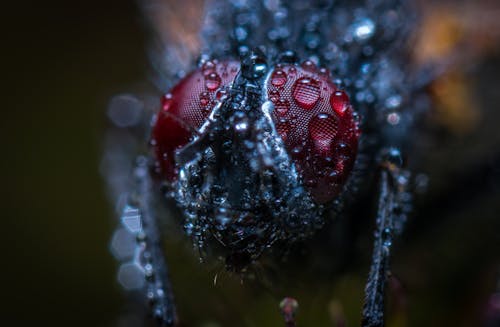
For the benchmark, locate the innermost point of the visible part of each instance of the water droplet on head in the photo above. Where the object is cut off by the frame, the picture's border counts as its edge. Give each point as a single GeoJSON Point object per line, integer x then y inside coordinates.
{"type": "Point", "coordinates": [253, 64]}
{"type": "Point", "coordinates": [343, 150]}
{"type": "Point", "coordinates": [274, 96]}
{"type": "Point", "coordinates": [240, 121]}
{"type": "Point", "coordinates": [166, 101]}
{"type": "Point", "coordinates": [212, 81]}
{"type": "Point", "coordinates": [306, 92]}
{"type": "Point", "coordinates": [281, 106]}
{"type": "Point", "coordinates": [208, 67]}
{"type": "Point", "coordinates": [339, 101]}
{"type": "Point", "coordinates": [204, 99]}
{"type": "Point", "coordinates": [259, 69]}
{"type": "Point", "coordinates": [332, 175]}
{"type": "Point", "coordinates": [323, 129]}
{"type": "Point", "coordinates": [278, 78]}
{"type": "Point", "coordinates": [296, 150]}
{"type": "Point", "coordinates": [241, 126]}
{"type": "Point", "coordinates": [283, 128]}
{"type": "Point", "coordinates": [309, 65]}
{"type": "Point", "coordinates": [324, 72]}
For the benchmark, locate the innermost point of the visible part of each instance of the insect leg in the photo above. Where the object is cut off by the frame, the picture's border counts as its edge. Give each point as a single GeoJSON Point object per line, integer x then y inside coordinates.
{"type": "Point", "coordinates": [138, 214]}
{"type": "Point", "coordinates": [391, 215]}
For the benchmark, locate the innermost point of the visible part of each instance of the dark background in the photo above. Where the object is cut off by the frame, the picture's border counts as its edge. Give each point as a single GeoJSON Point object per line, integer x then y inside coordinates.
{"type": "Point", "coordinates": [62, 63]}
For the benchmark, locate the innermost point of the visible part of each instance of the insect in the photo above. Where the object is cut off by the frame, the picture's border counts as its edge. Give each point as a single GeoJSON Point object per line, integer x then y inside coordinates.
{"type": "Point", "coordinates": [274, 119]}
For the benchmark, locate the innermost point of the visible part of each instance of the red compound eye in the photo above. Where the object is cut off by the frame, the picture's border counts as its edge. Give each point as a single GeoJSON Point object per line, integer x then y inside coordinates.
{"type": "Point", "coordinates": [186, 108]}
{"type": "Point", "coordinates": [315, 121]}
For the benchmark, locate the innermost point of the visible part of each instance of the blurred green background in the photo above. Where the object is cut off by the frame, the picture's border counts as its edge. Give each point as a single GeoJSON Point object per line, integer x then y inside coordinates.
{"type": "Point", "coordinates": [63, 61]}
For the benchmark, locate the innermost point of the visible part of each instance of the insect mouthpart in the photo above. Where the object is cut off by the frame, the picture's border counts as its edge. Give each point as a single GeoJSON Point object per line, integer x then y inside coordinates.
{"type": "Point", "coordinates": [253, 153]}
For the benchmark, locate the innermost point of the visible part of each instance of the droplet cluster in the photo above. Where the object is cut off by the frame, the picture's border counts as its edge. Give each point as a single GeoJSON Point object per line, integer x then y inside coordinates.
{"type": "Point", "coordinates": [186, 108]}
{"type": "Point", "coordinates": [317, 124]}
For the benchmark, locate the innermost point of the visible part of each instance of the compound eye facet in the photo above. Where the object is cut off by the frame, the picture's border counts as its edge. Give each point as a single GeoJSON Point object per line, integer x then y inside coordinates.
{"type": "Point", "coordinates": [186, 108]}
{"type": "Point", "coordinates": [315, 121]}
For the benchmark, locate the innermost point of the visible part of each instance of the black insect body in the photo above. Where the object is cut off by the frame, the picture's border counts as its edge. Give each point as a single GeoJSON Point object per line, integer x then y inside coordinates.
{"type": "Point", "coordinates": [261, 139]}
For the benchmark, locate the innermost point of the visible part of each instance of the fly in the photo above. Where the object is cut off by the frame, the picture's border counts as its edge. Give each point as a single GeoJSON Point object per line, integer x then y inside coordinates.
{"type": "Point", "coordinates": [275, 115]}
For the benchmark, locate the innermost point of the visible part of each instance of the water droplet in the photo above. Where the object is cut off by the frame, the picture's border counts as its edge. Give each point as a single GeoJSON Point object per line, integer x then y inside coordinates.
{"type": "Point", "coordinates": [297, 150]}
{"type": "Point", "coordinates": [283, 128]}
{"type": "Point", "coordinates": [189, 228]}
{"type": "Point", "coordinates": [212, 81]}
{"type": "Point", "coordinates": [392, 156]}
{"type": "Point", "coordinates": [166, 101]}
{"type": "Point", "coordinates": [259, 69]}
{"type": "Point", "coordinates": [148, 270]}
{"type": "Point", "coordinates": [204, 99]}
{"type": "Point", "coordinates": [306, 92]}
{"type": "Point", "coordinates": [274, 96]}
{"type": "Point", "coordinates": [339, 101]}
{"type": "Point", "coordinates": [282, 106]}
{"type": "Point", "coordinates": [241, 126]}
{"type": "Point", "coordinates": [393, 101]}
{"type": "Point", "coordinates": [278, 78]}
{"type": "Point", "coordinates": [393, 118]}
{"type": "Point", "coordinates": [253, 64]}
{"type": "Point", "coordinates": [208, 67]}
{"type": "Point", "coordinates": [309, 65]}
{"type": "Point", "coordinates": [333, 175]}
{"type": "Point", "coordinates": [363, 29]}
{"type": "Point", "coordinates": [323, 129]}
{"type": "Point", "coordinates": [343, 152]}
